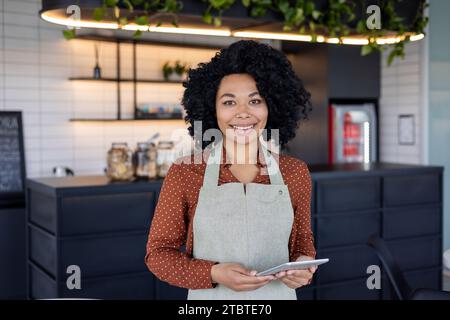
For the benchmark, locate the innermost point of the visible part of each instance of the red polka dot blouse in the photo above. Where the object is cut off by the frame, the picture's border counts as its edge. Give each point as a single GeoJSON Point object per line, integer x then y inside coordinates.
{"type": "Point", "coordinates": [172, 222]}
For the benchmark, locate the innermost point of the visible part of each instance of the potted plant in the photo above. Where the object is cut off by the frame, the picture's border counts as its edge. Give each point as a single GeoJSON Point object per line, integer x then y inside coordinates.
{"type": "Point", "coordinates": [180, 70]}
{"type": "Point", "coordinates": [174, 72]}
{"type": "Point", "coordinates": [167, 71]}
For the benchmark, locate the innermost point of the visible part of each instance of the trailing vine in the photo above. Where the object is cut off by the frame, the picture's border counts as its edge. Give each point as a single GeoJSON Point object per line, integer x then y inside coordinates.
{"type": "Point", "coordinates": [300, 16]}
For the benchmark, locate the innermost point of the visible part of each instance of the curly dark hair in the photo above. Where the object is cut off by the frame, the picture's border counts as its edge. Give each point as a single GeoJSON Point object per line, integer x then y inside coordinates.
{"type": "Point", "coordinates": [287, 100]}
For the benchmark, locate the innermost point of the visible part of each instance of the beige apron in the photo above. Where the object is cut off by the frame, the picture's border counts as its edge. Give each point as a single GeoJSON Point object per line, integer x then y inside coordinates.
{"type": "Point", "coordinates": [249, 227]}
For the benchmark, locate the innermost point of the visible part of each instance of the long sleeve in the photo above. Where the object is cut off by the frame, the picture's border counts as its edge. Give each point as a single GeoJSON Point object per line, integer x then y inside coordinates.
{"type": "Point", "coordinates": [168, 233]}
{"type": "Point", "coordinates": [301, 240]}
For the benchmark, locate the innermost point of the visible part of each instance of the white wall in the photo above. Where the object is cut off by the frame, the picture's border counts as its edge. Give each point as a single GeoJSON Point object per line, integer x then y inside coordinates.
{"type": "Point", "coordinates": [35, 64]}
{"type": "Point", "coordinates": [402, 93]}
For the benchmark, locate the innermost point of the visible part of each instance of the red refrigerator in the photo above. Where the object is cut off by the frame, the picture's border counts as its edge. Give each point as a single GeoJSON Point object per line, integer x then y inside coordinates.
{"type": "Point", "coordinates": [352, 132]}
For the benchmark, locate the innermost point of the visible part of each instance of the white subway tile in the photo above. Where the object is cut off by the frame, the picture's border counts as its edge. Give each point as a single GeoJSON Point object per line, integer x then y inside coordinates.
{"type": "Point", "coordinates": [88, 153]}
{"type": "Point", "coordinates": [16, 69]}
{"type": "Point", "coordinates": [21, 7]}
{"type": "Point", "coordinates": [27, 107]}
{"type": "Point", "coordinates": [56, 143]}
{"type": "Point", "coordinates": [89, 142]}
{"type": "Point", "coordinates": [20, 32]}
{"type": "Point", "coordinates": [33, 143]}
{"type": "Point", "coordinates": [20, 56]}
{"type": "Point", "coordinates": [56, 131]}
{"type": "Point", "coordinates": [20, 19]}
{"type": "Point", "coordinates": [22, 94]}
{"type": "Point", "coordinates": [21, 82]}
{"type": "Point", "coordinates": [33, 169]}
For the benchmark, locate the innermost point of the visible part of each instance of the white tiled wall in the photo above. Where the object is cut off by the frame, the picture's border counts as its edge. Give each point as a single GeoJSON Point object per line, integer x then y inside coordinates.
{"type": "Point", "coordinates": [35, 64]}
{"type": "Point", "coordinates": [402, 93]}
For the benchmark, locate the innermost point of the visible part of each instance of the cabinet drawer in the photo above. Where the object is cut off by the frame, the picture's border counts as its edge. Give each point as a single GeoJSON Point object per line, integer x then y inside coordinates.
{"type": "Point", "coordinates": [165, 291]}
{"type": "Point", "coordinates": [348, 194]}
{"type": "Point", "coordinates": [416, 253]}
{"type": "Point", "coordinates": [42, 249]}
{"type": "Point", "coordinates": [96, 256]}
{"type": "Point", "coordinates": [41, 286]}
{"type": "Point", "coordinates": [346, 229]}
{"type": "Point", "coordinates": [428, 278]}
{"type": "Point", "coordinates": [126, 286]}
{"type": "Point", "coordinates": [408, 222]}
{"type": "Point", "coordinates": [12, 253]}
{"type": "Point", "coordinates": [42, 210]}
{"type": "Point", "coordinates": [306, 293]}
{"type": "Point", "coordinates": [106, 213]}
{"type": "Point", "coordinates": [345, 263]}
{"type": "Point", "coordinates": [403, 190]}
{"type": "Point", "coordinates": [351, 290]}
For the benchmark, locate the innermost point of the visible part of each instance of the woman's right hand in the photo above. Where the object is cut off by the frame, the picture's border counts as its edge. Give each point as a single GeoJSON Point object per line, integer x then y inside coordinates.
{"type": "Point", "coordinates": [237, 278]}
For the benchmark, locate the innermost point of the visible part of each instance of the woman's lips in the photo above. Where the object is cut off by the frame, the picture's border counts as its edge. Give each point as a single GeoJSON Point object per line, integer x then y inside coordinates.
{"type": "Point", "coordinates": [243, 130]}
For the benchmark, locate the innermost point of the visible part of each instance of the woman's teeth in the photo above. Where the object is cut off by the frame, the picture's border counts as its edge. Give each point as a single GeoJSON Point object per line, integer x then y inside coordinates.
{"type": "Point", "coordinates": [243, 130]}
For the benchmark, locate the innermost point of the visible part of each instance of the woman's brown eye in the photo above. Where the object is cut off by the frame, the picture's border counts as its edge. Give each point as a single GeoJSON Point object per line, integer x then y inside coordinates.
{"type": "Point", "coordinates": [228, 102]}
{"type": "Point", "coordinates": [255, 101]}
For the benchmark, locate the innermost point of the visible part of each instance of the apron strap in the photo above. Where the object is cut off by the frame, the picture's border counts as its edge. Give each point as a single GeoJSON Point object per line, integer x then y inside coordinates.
{"type": "Point", "coordinates": [211, 176]}
{"type": "Point", "coordinates": [273, 168]}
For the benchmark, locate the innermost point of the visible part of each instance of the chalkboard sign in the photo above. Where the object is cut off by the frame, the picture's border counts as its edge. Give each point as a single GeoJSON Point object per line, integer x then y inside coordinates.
{"type": "Point", "coordinates": [12, 159]}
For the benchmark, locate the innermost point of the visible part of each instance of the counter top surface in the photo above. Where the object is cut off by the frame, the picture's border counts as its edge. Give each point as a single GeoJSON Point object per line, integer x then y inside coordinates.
{"type": "Point", "coordinates": [364, 167]}
{"type": "Point", "coordinates": [317, 171]}
{"type": "Point", "coordinates": [84, 181]}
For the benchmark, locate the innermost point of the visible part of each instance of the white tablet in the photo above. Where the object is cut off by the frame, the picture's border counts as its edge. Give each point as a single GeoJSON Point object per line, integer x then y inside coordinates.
{"type": "Point", "coordinates": [297, 265]}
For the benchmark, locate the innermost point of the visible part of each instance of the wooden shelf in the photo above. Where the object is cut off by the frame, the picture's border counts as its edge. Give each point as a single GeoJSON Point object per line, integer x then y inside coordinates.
{"type": "Point", "coordinates": [134, 80]}
{"type": "Point", "coordinates": [124, 80]}
{"type": "Point", "coordinates": [115, 120]}
{"type": "Point", "coordinates": [118, 39]}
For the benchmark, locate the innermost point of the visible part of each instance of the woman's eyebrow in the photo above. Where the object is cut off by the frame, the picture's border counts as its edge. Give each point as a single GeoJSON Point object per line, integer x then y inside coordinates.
{"type": "Point", "coordinates": [233, 96]}
{"type": "Point", "coordinates": [227, 95]}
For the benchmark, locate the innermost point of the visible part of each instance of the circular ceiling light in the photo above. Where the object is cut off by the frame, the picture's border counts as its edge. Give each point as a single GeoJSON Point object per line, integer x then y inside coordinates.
{"type": "Point", "coordinates": [63, 12]}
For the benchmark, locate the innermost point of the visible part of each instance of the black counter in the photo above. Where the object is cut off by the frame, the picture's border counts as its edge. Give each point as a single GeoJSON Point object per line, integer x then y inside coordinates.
{"type": "Point", "coordinates": [53, 185]}
{"type": "Point", "coordinates": [70, 183]}
{"type": "Point", "coordinates": [373, 168]}
{"type": "Point", "coordinates": [102, 226]}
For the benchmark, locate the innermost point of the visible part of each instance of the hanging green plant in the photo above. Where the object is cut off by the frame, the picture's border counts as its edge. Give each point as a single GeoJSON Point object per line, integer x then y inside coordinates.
{"type": "Point", "coordinates": [300, 16]}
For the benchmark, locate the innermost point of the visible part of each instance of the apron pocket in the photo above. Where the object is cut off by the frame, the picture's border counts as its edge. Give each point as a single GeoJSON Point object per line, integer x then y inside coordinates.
{"type": "Point", "coordinates": [268, 193]}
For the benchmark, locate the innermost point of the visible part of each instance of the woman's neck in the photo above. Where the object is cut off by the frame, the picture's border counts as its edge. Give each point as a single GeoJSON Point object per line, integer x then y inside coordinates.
{"type": "Point", "coordinates": [238, 153]}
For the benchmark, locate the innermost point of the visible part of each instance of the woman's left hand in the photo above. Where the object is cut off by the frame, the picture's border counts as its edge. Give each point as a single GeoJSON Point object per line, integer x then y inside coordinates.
{"type": "Point", "coordinates": [297, 278]}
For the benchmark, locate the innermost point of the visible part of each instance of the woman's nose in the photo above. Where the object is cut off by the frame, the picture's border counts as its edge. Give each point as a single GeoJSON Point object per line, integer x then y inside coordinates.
{"type": "Point", "coordinates": [242, 109]}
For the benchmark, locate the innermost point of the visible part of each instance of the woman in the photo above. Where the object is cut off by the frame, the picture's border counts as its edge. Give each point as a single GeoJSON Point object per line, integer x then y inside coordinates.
{"type": "Point", "coordinates": [246, 213]}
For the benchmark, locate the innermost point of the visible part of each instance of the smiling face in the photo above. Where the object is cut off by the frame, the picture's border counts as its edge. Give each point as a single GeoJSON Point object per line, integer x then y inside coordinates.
{"type": "Point", "coordinates": [241, 111]}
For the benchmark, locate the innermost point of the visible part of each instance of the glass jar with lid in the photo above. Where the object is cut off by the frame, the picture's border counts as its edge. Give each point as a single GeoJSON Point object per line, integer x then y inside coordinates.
{"type": "Point", "coordinates": [145, 160]}
{"type": "Point", "coordinates": [165, 157]}
{"type": "Point", "coordinates": [120, 162]}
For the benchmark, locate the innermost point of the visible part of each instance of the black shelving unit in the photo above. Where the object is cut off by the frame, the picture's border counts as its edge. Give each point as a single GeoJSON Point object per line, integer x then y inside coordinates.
{"type": "Point", "coordinates": [118, 79]}
{"type": "Point", "coordinates": [123, 80]}
{"type": "Point", "coordinates": [167, 117]}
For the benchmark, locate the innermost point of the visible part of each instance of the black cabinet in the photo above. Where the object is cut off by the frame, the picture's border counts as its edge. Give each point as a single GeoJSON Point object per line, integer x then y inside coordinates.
{"type": "Point", "coordinates": [334, 195]}
{"type": "Point", "coordinates": [102, 227]}
{"type": "Point", "coordinates": [402, 204]}
{"type": "Point", "coordinates": [12, 253]}
{"type": "Point", "coordinates": [97, 226]}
